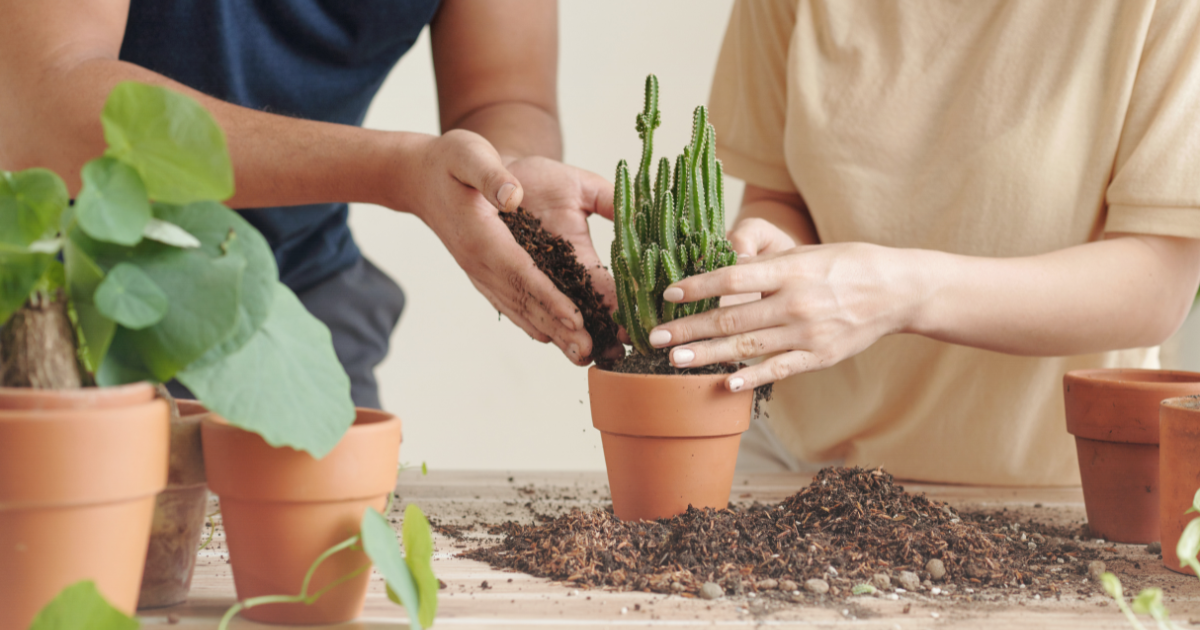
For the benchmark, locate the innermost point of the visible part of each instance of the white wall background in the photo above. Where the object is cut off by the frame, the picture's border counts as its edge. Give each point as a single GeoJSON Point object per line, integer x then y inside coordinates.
{"type": "Point", "coordinates": [474, 392]}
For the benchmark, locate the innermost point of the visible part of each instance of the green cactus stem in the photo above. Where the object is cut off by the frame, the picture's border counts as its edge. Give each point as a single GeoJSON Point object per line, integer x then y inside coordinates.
{"type": "Point", "coordinates": [670, 231]}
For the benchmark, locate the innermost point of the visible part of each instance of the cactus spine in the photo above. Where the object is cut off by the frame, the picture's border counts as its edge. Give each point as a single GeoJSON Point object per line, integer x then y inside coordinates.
{"type": "Point", "coordinates": [668, 231]}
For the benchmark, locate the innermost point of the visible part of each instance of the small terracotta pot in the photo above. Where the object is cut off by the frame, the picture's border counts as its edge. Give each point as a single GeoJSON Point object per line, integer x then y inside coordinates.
{"type": "Point", "coordinates": [178, 515]}
{"type": "Point", "coordinates": [79, 470]}
{"type": "Point", "coordinates": [281, 508]}
{"type": "Point", "coordinates": [669, 441]}
{"type": "Point", "coordinates": [1113, 414]}
{"type": "Point", "coordinates": [1179, 471]}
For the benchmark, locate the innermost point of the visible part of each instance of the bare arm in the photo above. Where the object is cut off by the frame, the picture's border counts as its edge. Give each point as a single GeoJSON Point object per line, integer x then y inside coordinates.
{"type": "Point", "coordinates": [824, 303]}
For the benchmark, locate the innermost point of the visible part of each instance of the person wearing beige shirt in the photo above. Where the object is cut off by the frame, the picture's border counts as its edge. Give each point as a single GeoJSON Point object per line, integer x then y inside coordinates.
{"type": "Point", "coordinates": [948, 205]}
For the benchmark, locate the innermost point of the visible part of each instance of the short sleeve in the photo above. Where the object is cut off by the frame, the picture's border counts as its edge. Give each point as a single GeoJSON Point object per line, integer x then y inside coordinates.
{"type": "Point", "coordinates": [748, 103]}
{"type": "Point", "coordinates": [1155, 187]}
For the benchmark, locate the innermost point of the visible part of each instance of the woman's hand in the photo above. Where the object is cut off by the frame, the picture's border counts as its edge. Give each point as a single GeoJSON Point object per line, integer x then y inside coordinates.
{"type": "Point", "coordinates": [820, 304]}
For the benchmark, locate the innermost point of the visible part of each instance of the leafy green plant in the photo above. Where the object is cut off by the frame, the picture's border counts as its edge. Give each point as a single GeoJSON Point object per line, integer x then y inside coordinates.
{"type": "Point", "coordinates": [80, 605]}
{"type": "Point", "coordinates": [409, 575]}
{"type": "Point", "coordinates": [162, 281]}
{"type": "Point", "coordinates": [1150, 600]}
{"type": "Point", "coordinates": [670, 231]}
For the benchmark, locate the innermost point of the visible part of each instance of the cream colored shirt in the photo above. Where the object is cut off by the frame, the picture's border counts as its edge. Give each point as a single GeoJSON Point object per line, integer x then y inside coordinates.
{"type": "Point", "coordinates": [978, 127]}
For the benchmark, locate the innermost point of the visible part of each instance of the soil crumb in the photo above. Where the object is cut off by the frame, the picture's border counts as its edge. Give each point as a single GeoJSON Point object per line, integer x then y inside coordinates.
{"type": "Point", "coordinates": [849, 527]}
{"type": "Point", "coordinates": [555, 257]}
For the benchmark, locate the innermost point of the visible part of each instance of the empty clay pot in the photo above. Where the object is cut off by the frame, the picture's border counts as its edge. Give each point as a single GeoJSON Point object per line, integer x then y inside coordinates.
{"type": "Point", "coordinates": [669, 441]}
{"type": "Point", "coordinates": [179, 513]}
{"type": "Point", "coordinates": [1113, 414]}
{"type": "Point", "coordinates": [79, 470]}
{"type": "Point", "coordinates": [282, 508]}
{"type": "Point", "coordinates": [1179, 471]}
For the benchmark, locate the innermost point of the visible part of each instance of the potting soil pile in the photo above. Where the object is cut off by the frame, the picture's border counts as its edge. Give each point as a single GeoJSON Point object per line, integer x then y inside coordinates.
{"type": "Point", "coordinates": [848, 528]}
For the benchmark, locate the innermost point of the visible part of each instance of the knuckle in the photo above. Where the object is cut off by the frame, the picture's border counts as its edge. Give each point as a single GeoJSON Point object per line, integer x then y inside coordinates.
{"type": "Point", "coordinates": [779, 369]}
{"type": "Point", "coordinates": [796, 307]}
{"type": "Point", "coordinates": [745, 347]}
{"type": "Point", "coordinates": [728, 322]}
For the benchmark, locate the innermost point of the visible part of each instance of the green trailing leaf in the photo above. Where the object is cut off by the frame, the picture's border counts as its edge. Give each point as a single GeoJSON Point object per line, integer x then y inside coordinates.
{"type": "Point", "coordinates": [112, 205]}
{"type": "Point", "coordinates": [418, 555]}
{"type": "Point", "coordinates": [169, 233]}
{"type": "Point", "coordinates": [379, 543]}
{"type": "Point", "coordinates": [129, 297]}
{"type": "Point", "coordinates": [289, 370]}
{"type": "Point", "coordinates": [80, 606]}
{"type": "Point", "coordinates": [669, 232]}
{"type": "Point", "coordinates": [20, 272]}
{"type": "Point", "coordinates": [1189, 546]}
{"type": "Point", "coordinates": [864, 589]}
{"type": "Point", "coordinates": [170, 140]}
{"type": "Point", "coordinates": [31, 202]}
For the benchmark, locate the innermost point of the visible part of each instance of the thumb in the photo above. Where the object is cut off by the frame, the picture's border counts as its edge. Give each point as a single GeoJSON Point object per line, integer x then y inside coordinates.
{"type": "Point", "coordinates": [479, 166]}
{"type": "Point", "coordinates": [745, 239]}
{"type": "Point", "coordinates": [598, 193]}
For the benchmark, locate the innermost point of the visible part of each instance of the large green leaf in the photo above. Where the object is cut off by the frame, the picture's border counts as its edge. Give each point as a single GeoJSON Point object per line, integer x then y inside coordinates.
{"type": "Point", "coordinates": [122, 364]}
{"type": "Point", "coordinates": [83, 276]}
{"type": "Point", "coordinates": [30, 204]}
{"type": "Point", "coordinates": [418, 555]}
{"type": "Point", "coordinates": [129, 297]}
{"type": "Point", "coordinates": [379, 542]}
{"type": "Point", "coordinates": [172, 142]}
{"type": "Point", "coordinates": [81, 606]}
{"type": "Point", "coordinates": [112, 205]}
{"type": "Point", "coordinates": [212, 224]}
{"type": "Point", "coordinates": [285, 384]}
{"type": "Point", "coordinates": [1189, 546]}
{"type": "Point", "coordinates": [20, 271]}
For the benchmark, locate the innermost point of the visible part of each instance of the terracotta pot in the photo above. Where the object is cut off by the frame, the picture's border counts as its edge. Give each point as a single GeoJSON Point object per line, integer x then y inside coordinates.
{"type": "Point", "coordinates": [79, 470]}
{"type": "Point", "coordinates": [1179, 470]}
{"type": "Point", "coordinates": [669, 441]}
{"type": "Point", "coordinates": [178, 515]}
{"type": "Point", "coordinates": [281, 508]}
{"type": "Point", "coordinates": [1113, 414]}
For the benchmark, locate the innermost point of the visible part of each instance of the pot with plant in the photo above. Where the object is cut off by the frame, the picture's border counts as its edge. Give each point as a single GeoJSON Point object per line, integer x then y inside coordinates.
{"type": "Point", "coordinates": [1114, 416]}
{"type": "Point", "coordinates": [157, 280]}
{"type": "Point", "coordinates": [670, 435]}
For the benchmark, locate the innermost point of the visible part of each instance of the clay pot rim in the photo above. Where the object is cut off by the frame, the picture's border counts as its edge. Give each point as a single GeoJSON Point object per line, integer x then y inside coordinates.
{"type": "Point", "coordinates": [83, 398]}
{"type": "Point", "coordinates": [659, 376]}
{"type": "Point", "coordinates": [365, 421]}
{"type": "Point", "coordinates": [1183, 403]}
{"type": "Point", "coordinates": [73, 415]}
{"type": "Point", "coordinates": [1114, 376]}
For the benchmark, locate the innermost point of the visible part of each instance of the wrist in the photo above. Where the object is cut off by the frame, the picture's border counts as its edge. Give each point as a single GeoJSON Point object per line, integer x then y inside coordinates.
{"type": "Point", "coordinates": [921, 277]}
{"type": "Point", "coordinates": [399, 170]}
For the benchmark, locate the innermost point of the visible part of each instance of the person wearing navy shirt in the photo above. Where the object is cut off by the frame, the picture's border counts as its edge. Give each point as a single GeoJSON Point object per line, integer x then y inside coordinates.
{"type": "Point", "coordinates": [290, 82]}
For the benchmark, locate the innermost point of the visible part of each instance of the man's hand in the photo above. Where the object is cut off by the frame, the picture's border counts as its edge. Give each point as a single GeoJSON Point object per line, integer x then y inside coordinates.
{"type": "Point", "coordinates": [457, 185]}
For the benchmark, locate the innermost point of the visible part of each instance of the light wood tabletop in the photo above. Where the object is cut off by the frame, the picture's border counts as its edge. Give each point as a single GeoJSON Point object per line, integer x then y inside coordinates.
{"type": "Point", "coordinates": [515, 600]}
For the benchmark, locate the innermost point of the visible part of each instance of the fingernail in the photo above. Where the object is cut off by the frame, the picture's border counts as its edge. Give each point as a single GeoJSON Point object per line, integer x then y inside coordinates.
{"type": "Point", "coordinates": [568, 323]}
{"type": "Point", "coordinates": [735, 384]}
{"type": "Point", "coordinates": [504, 193]}
{"type": "Point", "coordinates": [573, 350]}
{"type": "Point", "coordinates": [682, 356]}
{"type": "Point", "coordinates": [743, 256]}
{"type": "Point", "coordinates": [673, 294]}
{"type": "Point", "coordinates": [659, 338]}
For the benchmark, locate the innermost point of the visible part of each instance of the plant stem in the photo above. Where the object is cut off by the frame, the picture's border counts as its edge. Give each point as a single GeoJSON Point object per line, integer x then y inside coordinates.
{"type": "Point", "coordinates": [303, 597]}
{"type": "Point", "coordinates": [1133, 620]}
{"type": "Point", "coordinates": [212, 530]}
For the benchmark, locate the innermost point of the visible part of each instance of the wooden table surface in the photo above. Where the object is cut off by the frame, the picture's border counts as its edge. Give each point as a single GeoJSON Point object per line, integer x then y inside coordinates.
{"type": "Point", "coordinates": [517, 600]}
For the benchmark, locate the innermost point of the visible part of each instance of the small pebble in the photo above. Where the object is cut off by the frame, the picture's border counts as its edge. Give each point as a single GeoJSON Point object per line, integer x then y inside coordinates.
{"type": "Point", "coordinates": [1032, 546]}
{"type": "Point", "coordinates": [711, 590]}
{"type": "Point", "coordinates": [1154, 548]}
{"type": "Point", "coordinates": [818, 586]}
{"type": "Point", "coordinates": [936, 569]}
{"type": "Point", "coordinates": [831, 571]}
{"type": "Point", "coordinates": [677, 587]}
{"type": "Point", "coordinates": [1096, 568]}
{"type": "Point", "coordinates": [788, 585]}
{"type": "Point", "coordinates": [881, 581]}
{"type": "Point", "coordinates": [624, 610]}
{"type": "Point", "coordinates": [909, 581]}
{"type": "Point", "coordinates": [767, 585]}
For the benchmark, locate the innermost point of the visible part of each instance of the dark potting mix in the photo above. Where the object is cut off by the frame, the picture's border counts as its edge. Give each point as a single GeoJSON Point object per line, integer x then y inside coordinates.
{"type": "Point", "coordinates": [849, 528]}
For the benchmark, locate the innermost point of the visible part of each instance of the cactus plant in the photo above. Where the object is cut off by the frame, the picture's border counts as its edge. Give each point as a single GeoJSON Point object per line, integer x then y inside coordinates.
{"type": "Point", "coordinates": [668, 231]}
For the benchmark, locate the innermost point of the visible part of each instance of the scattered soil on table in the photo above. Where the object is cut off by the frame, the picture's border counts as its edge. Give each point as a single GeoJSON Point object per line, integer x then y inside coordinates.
{"type": "Point", "coordinates": [555, 257]}
{"type": "Point", "coordinates": [847, 527]}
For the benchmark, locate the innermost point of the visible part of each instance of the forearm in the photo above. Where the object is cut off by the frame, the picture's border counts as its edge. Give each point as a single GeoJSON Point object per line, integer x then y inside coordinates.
{"type": "Point", "coordinates": [786, 211]}
{"type": "Point", "coordinates": [278, 161]}
{"type": "Point", "coordinates": [1124, 292]}
{"type": "Point", "coordinates": [516, 129]}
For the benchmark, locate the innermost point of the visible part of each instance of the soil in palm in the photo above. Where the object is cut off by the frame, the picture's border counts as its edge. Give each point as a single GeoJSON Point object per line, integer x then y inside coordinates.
{"type": "Point", "coordinates": [555, 257]}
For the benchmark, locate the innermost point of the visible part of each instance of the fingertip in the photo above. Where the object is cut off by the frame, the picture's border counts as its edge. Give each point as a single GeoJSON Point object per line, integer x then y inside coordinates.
{"type": "Point", "coordinates": [660, 337]}
{"type": "Point", "coordinates": [673, 294]}
{"type": "Point", "coordinates": [735, 383]}
{"type": "Point", "coordinates": [509, 196]}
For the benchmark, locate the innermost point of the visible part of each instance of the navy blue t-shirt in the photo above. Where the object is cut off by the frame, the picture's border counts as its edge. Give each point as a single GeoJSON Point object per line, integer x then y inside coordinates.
{"type": "Point", "coordinates": [316, 59]}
